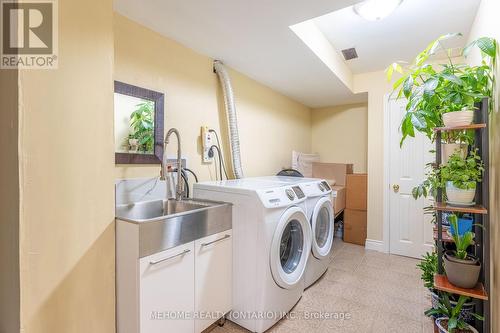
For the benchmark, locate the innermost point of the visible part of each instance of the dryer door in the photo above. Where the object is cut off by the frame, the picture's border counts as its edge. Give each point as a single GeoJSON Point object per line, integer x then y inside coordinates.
{"type": "Point", "coordinates": [290, 248]}
{"type": "Point", "coordinates": [322, 225]}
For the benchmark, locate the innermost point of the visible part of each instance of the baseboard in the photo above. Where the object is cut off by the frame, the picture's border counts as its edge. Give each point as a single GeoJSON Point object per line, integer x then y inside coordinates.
{"type": "Point", "coordinates": [376, 245]}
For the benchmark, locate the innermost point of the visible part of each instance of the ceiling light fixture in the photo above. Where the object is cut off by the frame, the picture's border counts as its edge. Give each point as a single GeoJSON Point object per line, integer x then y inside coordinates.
{"type": "Point", "coordinates": [376, 10]}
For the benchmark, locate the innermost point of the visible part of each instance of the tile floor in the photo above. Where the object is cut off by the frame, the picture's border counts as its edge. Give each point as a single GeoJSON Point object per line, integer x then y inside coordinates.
{"type": "Point", "coordinates": [382, 293]}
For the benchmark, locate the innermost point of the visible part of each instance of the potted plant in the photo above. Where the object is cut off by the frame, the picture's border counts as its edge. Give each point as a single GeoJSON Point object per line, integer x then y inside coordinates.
{"type": "Point", "coordinates": [132, 143]}
{"type": "Point", "coordinates": [455, 141]}
{"type": "Point", "coordinates": [448, 316]}
{"type": "Point", "coordinates": [461, 177]}
{"type": "Point", "coordinates": [428, 265]}
{"type": "Point", "coordinates": [462, 268]}
{"type": "Point", "coordinates": [443, 94]}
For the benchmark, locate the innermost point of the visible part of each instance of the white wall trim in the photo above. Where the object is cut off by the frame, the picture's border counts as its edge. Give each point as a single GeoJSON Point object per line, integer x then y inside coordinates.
{"type": "Point", "coordinates": [376, 245]}
{"type": "Point", "coordinates": [386, 237]}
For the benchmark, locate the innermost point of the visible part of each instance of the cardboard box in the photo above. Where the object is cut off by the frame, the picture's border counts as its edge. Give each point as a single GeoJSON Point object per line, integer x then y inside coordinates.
{"type": "Point", "coordinates": [355, 226]}
{"type": "Point", "coordinates": [338, 193]}
{"type": "Point", "coordinates": [356, 191]}
{"type": "Point", "coordinates": [332, 172]}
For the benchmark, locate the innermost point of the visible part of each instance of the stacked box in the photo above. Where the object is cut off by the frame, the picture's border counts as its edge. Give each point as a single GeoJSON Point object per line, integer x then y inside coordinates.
{"type": "Point", "coordinates": [355, 212]}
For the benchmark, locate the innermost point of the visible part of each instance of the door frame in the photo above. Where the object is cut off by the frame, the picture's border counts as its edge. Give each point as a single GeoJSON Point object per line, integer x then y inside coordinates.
{"type": "Point", "coordinates": [386, 237]}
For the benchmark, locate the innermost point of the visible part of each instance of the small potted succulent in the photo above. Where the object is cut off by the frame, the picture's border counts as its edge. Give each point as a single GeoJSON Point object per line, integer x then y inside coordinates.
{"type": "Point", "coordinates": [133, 143]}
{"type": "Point", "coordinates": [462, 268]}
{"type": "Point", "coordinates": [448, 316]}
{"type": "Point", "coordinates": [461, 177]}
{"type": "Point", "coordinates": [428, 265]}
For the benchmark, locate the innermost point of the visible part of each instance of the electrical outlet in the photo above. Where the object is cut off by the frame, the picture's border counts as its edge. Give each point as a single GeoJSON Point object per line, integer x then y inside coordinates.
{"type": "Point", "coordinates": [207, 140]}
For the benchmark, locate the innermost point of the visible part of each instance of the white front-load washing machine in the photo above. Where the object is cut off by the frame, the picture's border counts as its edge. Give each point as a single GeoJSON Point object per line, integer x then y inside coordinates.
{"type": "Point", "coordinates": [320, 212]}
{"type": "Point", "coordinates": [271, 246]}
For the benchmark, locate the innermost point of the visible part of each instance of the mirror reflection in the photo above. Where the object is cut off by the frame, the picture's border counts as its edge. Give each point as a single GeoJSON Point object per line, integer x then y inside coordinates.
{"type": "Point", "coordinates": [138, 125]}
{"type": "Point", "coordinates": [134, 125]}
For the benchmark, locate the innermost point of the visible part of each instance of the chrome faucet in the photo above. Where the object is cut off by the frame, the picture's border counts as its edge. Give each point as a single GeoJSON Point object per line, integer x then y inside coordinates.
{"type": "Point", "coordinates": [179, 191]}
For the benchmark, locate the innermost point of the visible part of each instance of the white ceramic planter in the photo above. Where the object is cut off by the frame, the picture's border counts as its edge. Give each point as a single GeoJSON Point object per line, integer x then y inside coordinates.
{"type": "Point", "coordinates": [458, 196]}
{"type": "Point", "coordinates": [458, 118]}
{"type": "Point", "coordinates": [447, 149]}
{"type": "Point", "coordinates": [443, 330]}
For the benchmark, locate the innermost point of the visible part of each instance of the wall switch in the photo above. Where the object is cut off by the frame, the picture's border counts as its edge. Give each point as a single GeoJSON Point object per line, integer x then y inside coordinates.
{"type": "Point", "coordinates": [207, 140]}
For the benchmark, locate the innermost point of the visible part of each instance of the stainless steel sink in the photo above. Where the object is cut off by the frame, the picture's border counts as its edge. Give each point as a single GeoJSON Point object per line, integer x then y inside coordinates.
{"type": "Point", "coordinates": [163, 224]}
{"type": "Point", "coordinates": [140, 212]}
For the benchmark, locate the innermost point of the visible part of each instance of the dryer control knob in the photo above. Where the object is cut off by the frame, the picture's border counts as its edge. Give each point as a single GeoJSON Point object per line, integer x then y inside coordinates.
{"type": "Point", "coordinates": [290, 194]}
{"type": "Point", "coordinates": [322, 189]}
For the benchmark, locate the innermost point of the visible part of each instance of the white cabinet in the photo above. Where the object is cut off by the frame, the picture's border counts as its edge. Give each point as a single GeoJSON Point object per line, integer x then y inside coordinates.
{"type": "Point", "coordinates": [166, 290]}
{"type": "Point", "coordinates": [213, 278]}
{"type": "Point", "coordinates": [192, 280]}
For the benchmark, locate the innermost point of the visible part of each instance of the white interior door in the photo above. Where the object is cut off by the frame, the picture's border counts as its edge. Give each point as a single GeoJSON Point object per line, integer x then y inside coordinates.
{"type": "Point", "coordinates": [410, 229]}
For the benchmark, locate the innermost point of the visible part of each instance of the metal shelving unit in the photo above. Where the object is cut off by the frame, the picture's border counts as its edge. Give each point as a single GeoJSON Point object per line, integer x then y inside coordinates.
{"type": "Point", "coordinates": [480, 212]}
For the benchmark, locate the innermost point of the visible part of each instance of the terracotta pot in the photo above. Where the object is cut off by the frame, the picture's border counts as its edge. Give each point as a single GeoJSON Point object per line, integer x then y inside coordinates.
{"type": "Point", "coordinates": [458, 118]}
{"type": "Point", "coordinates": [458, 196]}
{"type": "Point", "coordinates": [461, 273]}
{"type": "Point", "coordinates": [447, 149]}
{"type": "Point", "coordinates": [444, 330]}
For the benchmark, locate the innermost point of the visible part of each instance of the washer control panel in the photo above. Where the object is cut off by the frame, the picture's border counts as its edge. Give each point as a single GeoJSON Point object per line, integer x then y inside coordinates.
{"type": "Point", "coordinates": [281, 196]}
{"type": "Point", "coordinates": [298, 191]}
{"type": "Point", "coordinates": [316, 188]}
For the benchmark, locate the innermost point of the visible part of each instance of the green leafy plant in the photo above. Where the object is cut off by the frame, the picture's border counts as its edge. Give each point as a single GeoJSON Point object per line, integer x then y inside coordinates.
{"type": "Point", "coordinates": [142, 125]}
{"type": "Point", "coordinates": [463, 136]}
{"type": "Point", "coordinates": [452, 313]}
{"type": "Point", "coordinates": [432, 90]}
{"type": "Point", "coordinates": [431, 184]}
{"type": "Point", "coordinates": [464, 173]}
{"type": "Point", "coordinates": [428, 266]}
{"type": "Point", "coordinates": [462, 242]}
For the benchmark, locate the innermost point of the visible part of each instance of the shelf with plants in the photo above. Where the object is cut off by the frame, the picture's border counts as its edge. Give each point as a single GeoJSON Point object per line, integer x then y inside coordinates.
{"type": "Point", "coordinates": [450, 104]}
{"type": "Point", "coordinates": [475, 209]}
{"type": "Point", "coordinates": [459, 128]}
{"type": "Point", "coordinates": [441, 283]}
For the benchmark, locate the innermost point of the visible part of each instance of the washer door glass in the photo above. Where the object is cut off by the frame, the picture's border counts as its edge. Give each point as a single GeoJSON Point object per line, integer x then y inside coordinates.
{"type": "Point", "coordinates": [322, 228]}
{"type": "Point", "coordinates": [292, 242]}
{"type": "Point", "coordinates": [290, 248]}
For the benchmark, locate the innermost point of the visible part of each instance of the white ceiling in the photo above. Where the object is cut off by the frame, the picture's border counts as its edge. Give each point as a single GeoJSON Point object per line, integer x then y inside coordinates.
{"type": "Point", "coordinates": [400, 36]}
{"type": "Point", "coordinates": [253, 37]}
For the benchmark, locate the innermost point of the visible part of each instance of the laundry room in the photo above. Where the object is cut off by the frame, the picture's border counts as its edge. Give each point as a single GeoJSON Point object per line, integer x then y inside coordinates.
{"type": "Point", "coordinates": [234, 166]}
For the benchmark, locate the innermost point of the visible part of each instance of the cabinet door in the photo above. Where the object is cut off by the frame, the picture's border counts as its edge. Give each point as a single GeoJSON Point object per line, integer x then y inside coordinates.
{"type": "Point", "coordinates": [213, 278]}
{"type": "Point", "coordinates": [167, 290]}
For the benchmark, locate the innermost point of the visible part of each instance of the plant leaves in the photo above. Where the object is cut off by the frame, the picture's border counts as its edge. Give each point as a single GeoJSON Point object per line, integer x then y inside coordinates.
{"type": "Point", "coordinates": [418, 121]}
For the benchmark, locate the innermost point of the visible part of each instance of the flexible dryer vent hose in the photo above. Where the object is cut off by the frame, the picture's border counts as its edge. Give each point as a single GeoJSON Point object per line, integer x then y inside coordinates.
{"type": "Point", "coordinates": [232, 120]}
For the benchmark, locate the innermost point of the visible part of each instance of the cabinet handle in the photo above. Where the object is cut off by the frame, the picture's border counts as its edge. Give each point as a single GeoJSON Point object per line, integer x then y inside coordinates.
{"type": "Point", "coordinates": [215, 241]}
{"type": "Point", "coordinates": [154, 262]}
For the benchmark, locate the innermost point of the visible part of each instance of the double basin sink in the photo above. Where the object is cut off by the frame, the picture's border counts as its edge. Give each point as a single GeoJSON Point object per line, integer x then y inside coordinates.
{"type": "Point", "coordinates": [164, 224]}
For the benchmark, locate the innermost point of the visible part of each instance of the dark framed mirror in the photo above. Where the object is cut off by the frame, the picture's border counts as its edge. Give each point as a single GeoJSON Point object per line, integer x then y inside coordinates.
{"type": "Point", "coordinates": [138, 124]}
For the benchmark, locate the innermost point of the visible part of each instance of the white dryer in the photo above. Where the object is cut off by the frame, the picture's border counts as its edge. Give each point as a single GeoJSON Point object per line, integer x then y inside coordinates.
{"type": "Point", "coordinates": [271, 245]}
{"type": "Point", "coordinates": [321, 214]}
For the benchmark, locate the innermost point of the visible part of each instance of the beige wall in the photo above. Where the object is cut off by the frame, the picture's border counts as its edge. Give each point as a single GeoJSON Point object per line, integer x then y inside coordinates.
{"type": "Point", "coordinates": [377, 86]}
{"type": "Point", "coordinates": [67, 179]}
{"type": "Point", "coordinates": [270, 125]}
{"type": "Point", "coordinates": [486, 24]}
{"type": "Point", "coordinates": [9, 203]}
{"type": "Point", "coordinates": [340, 133]}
